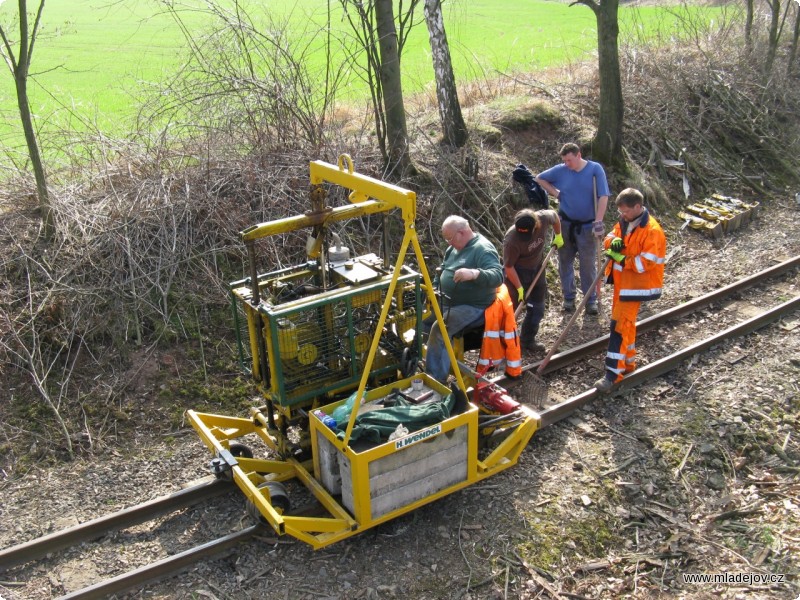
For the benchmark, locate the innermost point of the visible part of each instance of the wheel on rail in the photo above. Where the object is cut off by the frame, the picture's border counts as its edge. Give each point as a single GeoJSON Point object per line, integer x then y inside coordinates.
{"type": "Point", "coordinates": [278, 498]}
{"type": "Point", "coordinates": [241, 451]}
{"type": "Point", "coordinates": [408, 362]}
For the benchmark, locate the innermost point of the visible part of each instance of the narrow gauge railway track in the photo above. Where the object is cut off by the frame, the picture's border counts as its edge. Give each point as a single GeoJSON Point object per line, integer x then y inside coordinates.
{"type": "Point", "coordinates": [96, 528]}
{"type": "Point", "coordinates": [162, 568]}
{"type": "Point", "coordinates": [91, 530]}
{"type": "Point", "coordinates": [573, 355]}
{"type": "Point", "coordinates": [666, 364]}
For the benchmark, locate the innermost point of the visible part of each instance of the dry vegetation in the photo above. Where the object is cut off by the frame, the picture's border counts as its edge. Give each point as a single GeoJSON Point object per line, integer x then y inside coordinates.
{"type": "Point", "coordinates": [134, 288]}
{"type": "Point", "coordinates": [148, 230]}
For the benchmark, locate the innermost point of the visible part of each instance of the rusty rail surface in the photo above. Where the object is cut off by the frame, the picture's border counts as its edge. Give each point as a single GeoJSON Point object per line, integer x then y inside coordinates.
{"type": "Point", "coordinates": [96, 528]}
{"type": "Point", "coordinates": [162, 568]}
{"type": "Point", "coordinates": [562, 410]}
{"type": "Point", "coordinates": [169, 566]}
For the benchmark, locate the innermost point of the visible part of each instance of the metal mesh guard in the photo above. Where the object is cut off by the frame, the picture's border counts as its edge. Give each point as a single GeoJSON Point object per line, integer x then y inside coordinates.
{"type": "Point", "coordinates": [324, 346]}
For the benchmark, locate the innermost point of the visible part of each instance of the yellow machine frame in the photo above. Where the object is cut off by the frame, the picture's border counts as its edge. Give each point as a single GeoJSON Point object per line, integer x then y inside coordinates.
{"type": "Point", "coordinates": [367, 196]}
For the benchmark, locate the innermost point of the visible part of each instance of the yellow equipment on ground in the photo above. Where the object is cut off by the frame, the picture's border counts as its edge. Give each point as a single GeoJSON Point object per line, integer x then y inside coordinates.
{"type": "Point", "coordinates": [335, 332]}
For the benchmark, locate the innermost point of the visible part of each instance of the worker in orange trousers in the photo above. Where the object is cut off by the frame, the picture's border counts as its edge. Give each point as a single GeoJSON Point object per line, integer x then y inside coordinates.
{"type": "Point", "coordinates": [637, 248]}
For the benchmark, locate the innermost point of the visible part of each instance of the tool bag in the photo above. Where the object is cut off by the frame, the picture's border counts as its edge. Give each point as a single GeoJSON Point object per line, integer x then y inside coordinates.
{"type": "Point", "coordinates": [377, 425]}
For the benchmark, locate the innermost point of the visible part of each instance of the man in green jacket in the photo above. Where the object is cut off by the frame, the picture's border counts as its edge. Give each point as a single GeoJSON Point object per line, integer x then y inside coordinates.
{"type": "Point", "coordinates": [468, 282]}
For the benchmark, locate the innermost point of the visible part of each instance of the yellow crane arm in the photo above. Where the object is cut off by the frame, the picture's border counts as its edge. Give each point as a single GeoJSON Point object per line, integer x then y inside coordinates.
{"type": "Point", "coordinates": [386, 197]}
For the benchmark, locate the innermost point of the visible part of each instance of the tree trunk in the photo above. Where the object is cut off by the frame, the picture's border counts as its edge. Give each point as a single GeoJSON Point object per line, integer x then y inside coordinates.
{"type": "Point", "coordinates": [772, 42]}
{"type": "Point", "coordinates": [748, 25]}
{"type": "Point", "coordinates": [46, 210]}
{"type": "Point", "coordinates": [399, 164]}
{"type": "Point", "coordinates": [607, 143]}
{"type": "Point", "coordinates": [19, 69]}
{"type": "Point", "coordinates": [790, 68]}
{"type": "Point", "coordinates": [453, 127]}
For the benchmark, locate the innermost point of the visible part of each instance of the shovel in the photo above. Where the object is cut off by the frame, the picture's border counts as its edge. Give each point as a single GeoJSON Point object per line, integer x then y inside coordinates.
{"type": "Point", "coordinates": [537, 389]}
{"type": "Point", "coordinates": [538, 392]}
{"type": "Point", "coordinates": [566, 329]}
{"type": "Point", "coordinates": [535, 279]}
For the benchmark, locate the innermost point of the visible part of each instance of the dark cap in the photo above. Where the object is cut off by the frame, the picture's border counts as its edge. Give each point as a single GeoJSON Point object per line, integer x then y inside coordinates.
{"type": "Point", "coordinates": [525, 224]}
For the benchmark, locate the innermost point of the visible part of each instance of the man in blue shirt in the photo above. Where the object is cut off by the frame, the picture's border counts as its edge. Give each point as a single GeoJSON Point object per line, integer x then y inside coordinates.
{"type": "Point", "coordinates": [573, 184]}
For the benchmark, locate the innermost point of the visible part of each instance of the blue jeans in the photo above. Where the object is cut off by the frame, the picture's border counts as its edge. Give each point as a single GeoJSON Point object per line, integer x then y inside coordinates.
{"type": "Point", "coordinates": [456, 319]}
{"type": "Point", "coordinates": [585, 247]}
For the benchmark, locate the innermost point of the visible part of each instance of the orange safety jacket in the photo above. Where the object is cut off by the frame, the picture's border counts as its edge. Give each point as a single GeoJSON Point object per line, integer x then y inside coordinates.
{"type": "Point", "coordinates": [641, 276]}
{"type": "Point", "coordinates": [500, 338]}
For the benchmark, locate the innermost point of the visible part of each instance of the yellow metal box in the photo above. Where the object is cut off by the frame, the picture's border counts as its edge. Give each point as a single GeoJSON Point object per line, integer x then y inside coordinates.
{"type": "Point", "coordinates": [384, 480]}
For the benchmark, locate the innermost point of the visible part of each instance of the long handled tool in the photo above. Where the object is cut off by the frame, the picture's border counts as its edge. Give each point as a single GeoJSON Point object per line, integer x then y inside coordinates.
{"type": "Point", "coordinates": [566, 329]}
{"type": "Point", "coordinates": [535, 279]}
{"type": "Point", "coordinates": [537, 386]}
{"type": "Point", "coordinates": [535, 389]}
{"type": "Point", "coordinates": [598, 243]}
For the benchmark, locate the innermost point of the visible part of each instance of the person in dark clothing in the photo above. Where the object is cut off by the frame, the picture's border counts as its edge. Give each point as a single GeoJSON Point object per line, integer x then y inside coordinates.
{"type": "Point", "coordinates": [523, 253]}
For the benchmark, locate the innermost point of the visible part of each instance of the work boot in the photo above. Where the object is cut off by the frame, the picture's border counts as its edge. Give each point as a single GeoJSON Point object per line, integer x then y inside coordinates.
{"type": "Point", "coordinates": [603, 385]}
{"type": "Point", "coordinates": [533, 346]}
{"type": "Point", "coordinates": [591, 308]}
{"type": "Point", "coordinates": [568, 306]}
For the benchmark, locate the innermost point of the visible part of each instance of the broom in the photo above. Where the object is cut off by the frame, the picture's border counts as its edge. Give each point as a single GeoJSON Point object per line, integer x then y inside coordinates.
{"type": "Point", "coordinates": [539, 388]}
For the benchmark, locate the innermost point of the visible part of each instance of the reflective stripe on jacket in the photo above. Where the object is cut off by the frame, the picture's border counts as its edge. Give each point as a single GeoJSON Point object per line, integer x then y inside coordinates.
{"type": "Point", "coordinates": [641, 276]}
{"type": "Point", "coordinates": [500, 338]}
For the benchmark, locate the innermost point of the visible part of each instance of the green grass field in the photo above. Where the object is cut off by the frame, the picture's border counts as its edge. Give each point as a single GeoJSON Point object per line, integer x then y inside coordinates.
{"type": "Point", "coordinates": [94, 63]}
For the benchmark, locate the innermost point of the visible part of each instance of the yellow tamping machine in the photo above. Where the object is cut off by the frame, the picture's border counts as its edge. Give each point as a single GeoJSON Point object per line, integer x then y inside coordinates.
{"type": "Point", "coordinates": [342, 335]}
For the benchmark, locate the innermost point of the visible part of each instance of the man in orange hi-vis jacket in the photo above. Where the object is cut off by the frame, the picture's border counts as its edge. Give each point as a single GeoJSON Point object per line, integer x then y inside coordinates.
{"type": "Point", "coordinates": [637, 247]}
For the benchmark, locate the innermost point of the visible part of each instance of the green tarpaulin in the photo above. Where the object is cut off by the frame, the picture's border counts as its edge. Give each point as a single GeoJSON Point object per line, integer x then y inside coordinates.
{"type": "Point", "coordinates": [377, 425]}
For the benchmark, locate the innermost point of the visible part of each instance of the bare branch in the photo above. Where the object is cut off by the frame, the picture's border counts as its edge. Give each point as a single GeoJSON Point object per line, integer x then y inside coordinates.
{"type": "Point", "coordinates": [35, 32]}
{"type": "Point", "coordinates": [8, 55]}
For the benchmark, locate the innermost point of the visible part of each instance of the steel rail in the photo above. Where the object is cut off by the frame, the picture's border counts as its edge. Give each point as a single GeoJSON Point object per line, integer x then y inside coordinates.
{"type": "Point", "coordinates": [562, 359]}
{"type": "Point", "coordinates": [172, 565]}
{"type": "Point", "coordinates": [162, 568]}
{"type": "Point", "coordinates": [96, 528]}
{"type": "Point", "coordinates": [562, 410]}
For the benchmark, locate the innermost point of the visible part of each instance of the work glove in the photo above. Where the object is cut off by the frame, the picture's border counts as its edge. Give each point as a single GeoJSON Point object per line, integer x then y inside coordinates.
{"type": "Point", "coordinates": [616, 256]}
{"type": "Point", "coordinates": [521, 293]}
{"type": "Point", "coordinates": [617, 244]}
{"type": "Point", "coordinates": [597, 229]}
{"type": "Point", "coordinates": [558, 240]}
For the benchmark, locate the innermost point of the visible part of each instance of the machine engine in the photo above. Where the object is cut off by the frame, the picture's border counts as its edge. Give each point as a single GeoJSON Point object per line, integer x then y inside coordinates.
{"type": "Point", "coordinates": [317, 337]}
